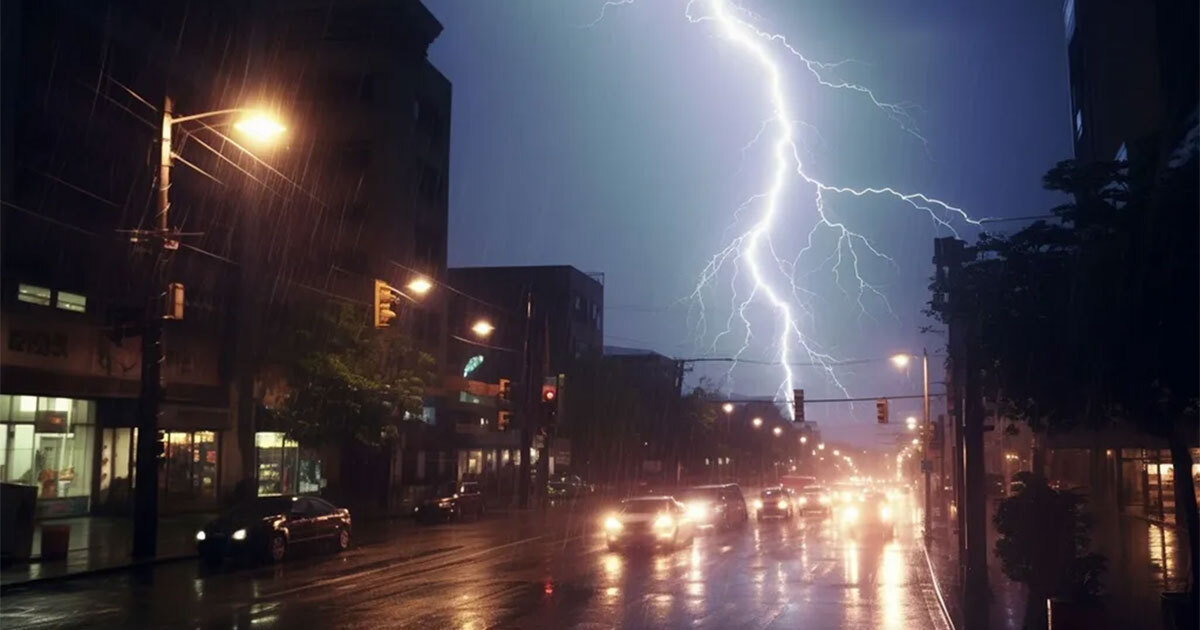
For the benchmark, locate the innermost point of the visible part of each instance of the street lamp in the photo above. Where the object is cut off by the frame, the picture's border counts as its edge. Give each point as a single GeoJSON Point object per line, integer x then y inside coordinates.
{"type": "Point", "coordinates": [482, 328]}
{"type": "Point", "coordinates": [420, 285]}
{"type": "Point", "coordinates": [778, 431]}
{"type": "Point", "coordinates": [821, 446]}
{"type": "Point", "coordinates": [901, 361]}
{"type": "Point", "coordinates": [727, 407]}
{"type": "Point", "coordinates": [804, 439]}
{"type": "Point", "coordinates": [259, 127]}
{"type": "Point", "coordinates": [757, 422]}
{"type": "Point", "coordinates": [837, 453]}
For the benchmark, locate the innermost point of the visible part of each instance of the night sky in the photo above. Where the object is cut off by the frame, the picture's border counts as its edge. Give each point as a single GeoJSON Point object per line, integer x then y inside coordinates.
{"type": "Point", "coordinates": [619, 149]}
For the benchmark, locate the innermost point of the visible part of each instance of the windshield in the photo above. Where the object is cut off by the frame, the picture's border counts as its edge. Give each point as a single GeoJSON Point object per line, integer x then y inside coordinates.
{"type": "Point", "coordinates": [700, 494]}
{"type": "Point", "coordinates": [771, 493]}
{"type": "Point", "coordinates": [813, 490]}
{"type": "Point", "coordinates": [645, 506]}
{"type": "Point", "coordinates": [259, 508]}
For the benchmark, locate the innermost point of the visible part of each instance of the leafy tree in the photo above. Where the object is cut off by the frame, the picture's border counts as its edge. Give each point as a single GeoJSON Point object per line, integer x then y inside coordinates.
{"type": "Point", "coordinates": [345, 380]}
{"type": "Point", "coordinates": [1094, 320]}
{"type": "Point", "coordinates": [1044, 540]}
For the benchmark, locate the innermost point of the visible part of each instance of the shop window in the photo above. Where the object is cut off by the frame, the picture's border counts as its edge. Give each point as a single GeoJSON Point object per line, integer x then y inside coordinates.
{"type": "Point", "coordinates": [71, 302]}
{"type": "Point", "coordinates": [33, 294]}
{"type": "Point", "coordinates": [49, 443]}
{"type": "Point", "coordinates": [285, 468]}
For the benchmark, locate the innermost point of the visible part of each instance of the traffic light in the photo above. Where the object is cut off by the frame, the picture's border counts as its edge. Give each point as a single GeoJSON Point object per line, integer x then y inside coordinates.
{"type": "Point", "coordinates": [550, 403]}
{"type": "Point", "coordinates": [383, 304]}
{"type": "Point", "coordinates": [173, 301]}
{"type": "Point", "coordinates": [505, 390]}
{"type": "Point", "coordinates": [881, 410]}
{"type": "Point", "coordinates": [798, 401]}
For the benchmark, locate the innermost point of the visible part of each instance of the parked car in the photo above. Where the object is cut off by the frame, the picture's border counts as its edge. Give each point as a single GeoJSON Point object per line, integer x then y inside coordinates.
{"type": "Point", "coordinates": [815, 499]}
{"type": "Point", "coordinates": [719, 505]}
{"type": "Point", "coordinates": [774, 502]}
{"type": "Point", "coordinates": [451, 501]}
{"type": "Point", "coordinates": [269, 527]}
{"type": "Point", "coordinates": [649, 521]}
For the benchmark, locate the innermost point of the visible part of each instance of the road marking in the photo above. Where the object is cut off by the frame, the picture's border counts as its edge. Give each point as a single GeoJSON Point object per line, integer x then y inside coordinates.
{"type": "Point", "coordinates": [351, 576]}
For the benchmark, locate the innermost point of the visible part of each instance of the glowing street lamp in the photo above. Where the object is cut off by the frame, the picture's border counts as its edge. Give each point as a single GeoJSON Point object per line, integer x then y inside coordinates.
{"type": "Point", "coordinates": [821, 446]}
{"type": "Point", "coordinates": [260, 127]}
{"type": "Point", "coordinates": [778, 431]}
{"type": "Point", "coordinates": [420, 285]}
{"type": "Point", "coordinates": [757, 422]}
{"type": "Point", "coordinates": [837, 453]}
{"type": "Point", "coordinates": [483, 328]}
{"type": "Point", "coordinates": [727, 407]}
{"type": "Point", "coordinates": [901, 360]}
{"type": "Point", "coordinates": [804, 439]}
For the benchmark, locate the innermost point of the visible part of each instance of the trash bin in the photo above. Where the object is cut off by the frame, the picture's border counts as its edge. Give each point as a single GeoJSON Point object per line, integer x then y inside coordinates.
{"type": "Point", "coordinates": [56, 540]}
{"type": "Point", "coordinates": [17, 508]}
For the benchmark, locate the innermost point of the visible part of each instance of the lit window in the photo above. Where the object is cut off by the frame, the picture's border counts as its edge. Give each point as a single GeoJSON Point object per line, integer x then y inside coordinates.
{"type": "Point", "coordinates": [72, 302]}
{"type": "Point", "coordinates": [27, 404]}
{"type": "Point", "coordinates": [33, 294]}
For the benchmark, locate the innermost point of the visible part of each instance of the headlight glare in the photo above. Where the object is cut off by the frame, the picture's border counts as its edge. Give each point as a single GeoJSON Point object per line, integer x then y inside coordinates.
{"type": "Point", "coordinates": [239, 535]}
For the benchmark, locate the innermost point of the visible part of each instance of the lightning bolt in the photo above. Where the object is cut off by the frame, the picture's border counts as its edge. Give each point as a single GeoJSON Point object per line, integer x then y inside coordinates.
{"type": "Point", "coordinates": [753, 251]}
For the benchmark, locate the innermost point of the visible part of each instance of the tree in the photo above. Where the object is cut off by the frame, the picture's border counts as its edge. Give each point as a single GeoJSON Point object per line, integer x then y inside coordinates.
{"type": "Point", "coordinates": [345, 380]}
{"type": "Point", "coordinates": [1044, 540]}
{"type": "Point", "coordinates": [1094, 320]}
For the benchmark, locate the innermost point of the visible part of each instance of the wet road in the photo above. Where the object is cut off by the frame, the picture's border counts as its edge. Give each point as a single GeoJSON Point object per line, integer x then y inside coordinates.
{"type": "Point", "coordinates": [527, 570]}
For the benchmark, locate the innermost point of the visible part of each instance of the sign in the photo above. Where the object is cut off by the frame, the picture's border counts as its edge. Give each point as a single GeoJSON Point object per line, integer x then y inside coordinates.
{"type": "Point", "coordinates": [46, 421]}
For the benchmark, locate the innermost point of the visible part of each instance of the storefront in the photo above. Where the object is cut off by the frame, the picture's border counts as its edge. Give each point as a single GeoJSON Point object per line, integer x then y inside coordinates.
{"type": "Point", "coordinates": [283, 467]}
{"type": "Point", "coordinates": [49, 443]}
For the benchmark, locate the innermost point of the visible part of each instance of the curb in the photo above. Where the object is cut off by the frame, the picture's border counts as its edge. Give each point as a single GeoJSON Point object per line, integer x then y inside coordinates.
{"type": "Point", "coordinates": [937, 588]}
{"type": "Point", "coordinates": [98, 571]}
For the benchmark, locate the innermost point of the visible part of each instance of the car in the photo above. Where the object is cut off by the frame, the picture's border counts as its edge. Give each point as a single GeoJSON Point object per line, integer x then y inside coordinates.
{"type": "Point", "coordinates": [568, 487]}
{"type": "Point", "coordinates": [267, 528]}
{"type": "Point", "coordinates": [649, 521]}
{"type": "Point", "coordinates": [720, 505]}
{"type": "Point", "coordinates": [815, 499]}
{"type": "Point", "coordinates": [874, 515]}
{"type": "Point", "coordinates": [774, 502]}
{"type": "Point", "coordinates": [451, 501]}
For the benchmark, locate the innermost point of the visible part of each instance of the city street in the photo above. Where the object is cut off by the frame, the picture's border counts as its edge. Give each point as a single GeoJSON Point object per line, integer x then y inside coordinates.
{"type": "Point", "coordinates": [530, 569]}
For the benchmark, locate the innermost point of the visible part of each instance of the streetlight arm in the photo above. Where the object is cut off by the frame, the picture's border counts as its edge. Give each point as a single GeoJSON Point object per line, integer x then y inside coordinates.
{"type": "Point", "coordinates": [220, 112]}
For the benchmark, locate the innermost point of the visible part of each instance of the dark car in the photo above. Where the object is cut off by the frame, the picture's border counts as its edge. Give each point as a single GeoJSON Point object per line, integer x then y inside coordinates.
{"type": "Point", "coordinates": [774, 503]}
{"type": "Point", "coordinates": [715, 506]}
{"type": "Point", "coordinates": [649, 521]}
{"type": "Point", "coordinates": [815, 499]}
{"type": "Point", "coordinates": [568, 487]}
{"type": "Point", "coordinates": [268, 527]}
{"type": "Point", "coordinates": [451, 501]}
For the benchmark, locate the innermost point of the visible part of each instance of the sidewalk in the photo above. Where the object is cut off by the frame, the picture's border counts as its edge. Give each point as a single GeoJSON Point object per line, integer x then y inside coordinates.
{"type": "Point", "coordinates": [100, 543]}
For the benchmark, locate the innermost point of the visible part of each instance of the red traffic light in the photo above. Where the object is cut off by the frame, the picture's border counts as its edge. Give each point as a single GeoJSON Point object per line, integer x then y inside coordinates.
{"type": "Point", "coordinates": [548, 393]}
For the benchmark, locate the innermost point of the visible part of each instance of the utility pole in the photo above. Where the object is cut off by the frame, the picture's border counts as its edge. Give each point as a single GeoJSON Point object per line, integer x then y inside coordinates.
{"type": "Point", "coordinates": [527, 407]}
{"type": "Point", "coordinates": [145, 506]}
{"type": "Point", "coordinates": [926, 461]}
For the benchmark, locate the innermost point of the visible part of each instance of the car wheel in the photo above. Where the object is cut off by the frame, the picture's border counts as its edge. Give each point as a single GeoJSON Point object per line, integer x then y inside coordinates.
{"type": "Point", "coordinates": [342, 541]}
{"type": "Point", "coordinates": [277, 548]}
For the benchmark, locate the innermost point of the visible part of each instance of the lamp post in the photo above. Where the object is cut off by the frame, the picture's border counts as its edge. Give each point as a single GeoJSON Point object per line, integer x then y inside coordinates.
{"type": "Point", "coordinates": [160, 244]}
{"type": "Point", "coordinates": [901, 361]}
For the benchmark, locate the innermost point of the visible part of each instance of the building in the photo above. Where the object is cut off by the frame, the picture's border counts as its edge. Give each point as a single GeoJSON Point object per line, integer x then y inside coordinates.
{"type": "Point", "coordinates": [358, 193]}
{"type": "Point", "coordinates": [1132, 75]}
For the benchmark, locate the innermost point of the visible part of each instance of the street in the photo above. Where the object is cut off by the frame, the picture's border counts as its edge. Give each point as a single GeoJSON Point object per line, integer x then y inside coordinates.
{"type": "Point", "coordinates": [522, 570]}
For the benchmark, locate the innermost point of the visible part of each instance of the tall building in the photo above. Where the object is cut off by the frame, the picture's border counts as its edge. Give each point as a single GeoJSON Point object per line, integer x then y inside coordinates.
{"type": "Point", "coordinates": [357, 191]}
{"type": "Point", "coordinates": [1132, 68]}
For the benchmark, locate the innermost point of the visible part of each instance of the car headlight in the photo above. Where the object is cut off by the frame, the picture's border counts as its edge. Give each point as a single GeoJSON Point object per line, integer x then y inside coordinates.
{"type": "Point", "coordinates": [824, 500]}
{"type": "Point", "coordinates": [850, 514]}
{"type": "Point", "coordinates": [885, 513]}
{"type": "Point", "coordinates": [200, 536]}
{"type": "Point", "coordinates": [698, 511]}
{"type": "Point", "coordinates": [664, 521]}
{"type": "Point", "coordinates": [613, 525]}
{"type": "Point", "coordinates": [758, 504]}
{"type": "Point", "coordinates": [239, 535]}
{"type": "Point", "coordinates": [803, 500]}
{"type": "Point", "coordinates": [781, 504]}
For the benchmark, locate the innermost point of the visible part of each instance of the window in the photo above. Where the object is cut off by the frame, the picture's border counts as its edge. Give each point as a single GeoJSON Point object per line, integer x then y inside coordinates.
{"type": "Point", "coordinates": [49, 443]}
{"type": "Point", "coordinates": [72, 302]}
{"type": "Point", "coordinates": [33, 294]}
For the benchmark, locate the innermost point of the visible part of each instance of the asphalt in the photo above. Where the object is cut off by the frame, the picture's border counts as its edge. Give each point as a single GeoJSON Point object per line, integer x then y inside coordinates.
{"type": "Point", "coordinates": [522, 570]}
